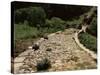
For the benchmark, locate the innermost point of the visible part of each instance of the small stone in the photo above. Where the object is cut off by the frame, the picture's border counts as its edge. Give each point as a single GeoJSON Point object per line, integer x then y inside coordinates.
{"type": "Point", "coordinates": [30, 47]}
{"type": "Point", "coordinates": [45, 37]}
{"type": "Point", "coordinates": [48, 49]}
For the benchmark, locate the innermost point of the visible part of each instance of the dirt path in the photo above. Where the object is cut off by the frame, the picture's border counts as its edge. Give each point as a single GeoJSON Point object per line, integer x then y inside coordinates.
{"type": "Point", "coordinates": [65, 54]}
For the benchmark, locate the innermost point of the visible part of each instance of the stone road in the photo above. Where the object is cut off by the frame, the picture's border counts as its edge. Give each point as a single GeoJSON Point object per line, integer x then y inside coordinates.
{"type": "Point", "coordinates": [65, 54]}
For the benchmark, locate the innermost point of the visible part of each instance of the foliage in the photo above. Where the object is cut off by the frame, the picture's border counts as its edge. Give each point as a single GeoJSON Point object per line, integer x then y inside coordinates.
{"type": "Point", "coordinates": [93, 27]}
{"type": "Point", "coordinates": [56, 23]}
{"type": "Point", "coordinates": [34, 15]}
{"type": "Point", "coordinates": [74, 23]}
{"type": "Point", "coordinates": [25, 31]}
{"type": "Point", "coordinates": [59, 24]}
{"type": "Point", "coordinates": [89, 41]}
{"type": "Point", "coordinates": [43, 65]}
{"type": "Point", "coordinates": [21, 15]}
{"type": "Point", "coordinates": [62, 11]}
{"type": "Point", "coordinates": [32, 22]}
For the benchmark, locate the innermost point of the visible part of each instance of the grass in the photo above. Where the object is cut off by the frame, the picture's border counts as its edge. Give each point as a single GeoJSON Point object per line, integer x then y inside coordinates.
{"type": "Point", "coordinates": [89, 41]}
{"type": "Point", "coordinates": [25, 31]}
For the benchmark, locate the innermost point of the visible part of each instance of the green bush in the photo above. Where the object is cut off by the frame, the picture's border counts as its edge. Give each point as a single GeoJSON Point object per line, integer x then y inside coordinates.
{"type": "Point", "coordinates": [25, 31]}
{"type": "Point", "coordinates": [56, 23]}
{"type": "Point", "coordinates": [59, 24]}
{"type": "Point", "coordinates": [21, 15]}
{"type": "Point", "coordinates": [17, 16]}
{"type": "Point", "coordinates": [43, 65]}
{"type": "Point", "coordinates": [89, 41]}
{"type": "Point", "coordinates": [74, 23]}
{"type": "Point", "coordinates": [93, 27]}
{"type": "Point", "coordinates": [34, 15]}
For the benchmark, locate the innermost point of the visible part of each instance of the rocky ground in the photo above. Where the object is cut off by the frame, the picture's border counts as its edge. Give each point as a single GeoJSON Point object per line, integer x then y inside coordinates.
{"type": "Point", "coordinates": [60, 49]}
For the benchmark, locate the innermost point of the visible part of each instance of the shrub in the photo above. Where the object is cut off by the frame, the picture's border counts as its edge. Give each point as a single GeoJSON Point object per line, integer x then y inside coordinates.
{"type": "Point", "coordinates": [43, 65]}
{"type": "Point", "coordinates": [59, 24]}
{"type": "Point", "coordinates": [93, 27]}
{"type": "Point", "coordinates": [74, 23]}
{"type": "Point", "coordinates": [89, 41]}
{"type": "Point", "coordinates": [21, 15]}
{"type": "Point", "coordinates": [17, 16]}
{"type": "Point", "coordinates": [56, 23]}
{"type": "Point", "coordinates": [34, 15]}
{"type": "Point", "coordinates": [23, 31]}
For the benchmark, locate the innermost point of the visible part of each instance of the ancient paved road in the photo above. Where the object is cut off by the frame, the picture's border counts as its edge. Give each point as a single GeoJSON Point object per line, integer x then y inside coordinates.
{"type": "Point", "coordinates": [65, 54]}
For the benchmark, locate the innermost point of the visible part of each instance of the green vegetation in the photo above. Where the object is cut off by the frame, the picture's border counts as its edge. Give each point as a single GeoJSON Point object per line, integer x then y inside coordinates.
{"type": "Point", "coordinates": [33, 22]}
{"type": "Point", "coordinates": [89, 41]}
{"type": "Point", "coordinates": [43, 65]}
{"type": "Point", "coordinates": [34, 15]}
{"type": "Point", "coordinates": [55, 23]}
{"type": "Point", "coordinates": [25, 31]}
{"type": "Point", "coordinates": [93, 27]}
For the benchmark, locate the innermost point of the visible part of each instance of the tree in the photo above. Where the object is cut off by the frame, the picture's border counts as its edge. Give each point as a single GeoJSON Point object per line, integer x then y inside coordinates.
{"type": "Point", "coordinates": [36, 16]}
